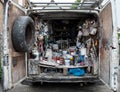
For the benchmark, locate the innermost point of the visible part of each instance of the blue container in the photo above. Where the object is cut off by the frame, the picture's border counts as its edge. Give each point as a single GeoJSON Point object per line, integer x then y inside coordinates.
{"type": "Point", "coordinates": [77, 71]}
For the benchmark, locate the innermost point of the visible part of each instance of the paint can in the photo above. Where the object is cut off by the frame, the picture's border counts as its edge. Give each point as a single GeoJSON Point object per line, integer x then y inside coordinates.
{"type": "Point", "coordinates": [67, 62]}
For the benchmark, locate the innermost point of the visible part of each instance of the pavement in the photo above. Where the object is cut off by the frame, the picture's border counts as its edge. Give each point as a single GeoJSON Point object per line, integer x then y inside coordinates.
{"type": "Point", "coordinates": [51, 87]}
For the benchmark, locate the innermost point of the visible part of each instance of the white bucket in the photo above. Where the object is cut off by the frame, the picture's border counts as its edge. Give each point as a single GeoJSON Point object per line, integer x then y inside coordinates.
{"type": "Point", "coordinates": [35, 52]}
{"type": "Point", "coordinates": [83, 51]}
{"type": "Point", "coordinates": [64, 52]}
{"type": "Point", "coordinates": [67, 62]}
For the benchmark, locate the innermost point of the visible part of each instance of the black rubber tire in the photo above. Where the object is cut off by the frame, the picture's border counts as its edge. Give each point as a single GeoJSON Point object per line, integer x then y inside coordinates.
{"type": "Point", "coordinates": [23, 34]}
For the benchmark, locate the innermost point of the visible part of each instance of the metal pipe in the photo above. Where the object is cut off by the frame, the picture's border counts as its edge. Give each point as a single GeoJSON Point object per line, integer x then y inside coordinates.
{"type": "Point", "coordinates": [29, 4]}
{"type": "Point", "coordinates": [57, 3]}
{"type": "Point", "coordinates": [5, 77]}
{"type": "Point", "coordinates": [40, 10]}
{"type": "Point", "coordinates": [82, 3]}
{"type": "Point", "coordinates": [54, 6]}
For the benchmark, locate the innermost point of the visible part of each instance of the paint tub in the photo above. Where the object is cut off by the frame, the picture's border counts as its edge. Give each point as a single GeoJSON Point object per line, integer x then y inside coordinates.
{"type": "Point", "coordinates": [67, 62]}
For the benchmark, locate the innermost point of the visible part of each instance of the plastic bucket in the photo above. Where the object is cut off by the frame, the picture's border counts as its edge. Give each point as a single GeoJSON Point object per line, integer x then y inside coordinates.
{"type": "Point", "coordinates": [67, 62]}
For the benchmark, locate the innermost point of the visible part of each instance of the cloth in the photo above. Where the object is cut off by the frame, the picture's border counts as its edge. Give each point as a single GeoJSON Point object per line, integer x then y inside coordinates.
{"type": "Point", "coordinates": [77, 71]}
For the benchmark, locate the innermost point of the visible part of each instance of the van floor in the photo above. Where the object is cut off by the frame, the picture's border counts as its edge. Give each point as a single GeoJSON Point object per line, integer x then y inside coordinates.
{"type": "Point", "coordinates": [59, 77]}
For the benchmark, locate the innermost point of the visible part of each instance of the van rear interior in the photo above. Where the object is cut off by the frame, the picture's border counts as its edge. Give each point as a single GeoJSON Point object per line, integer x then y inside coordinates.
{"type": "Point", "coordinates": [66, 47]}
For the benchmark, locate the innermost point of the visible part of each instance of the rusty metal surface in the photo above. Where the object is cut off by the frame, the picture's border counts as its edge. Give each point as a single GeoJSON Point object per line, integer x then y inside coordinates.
{"type": "Point", "coordinates": [106, 21]}
{"type": "Point", "coordinates": [60, 78]}
{"type": "Point", "coordinates": [74, 80]}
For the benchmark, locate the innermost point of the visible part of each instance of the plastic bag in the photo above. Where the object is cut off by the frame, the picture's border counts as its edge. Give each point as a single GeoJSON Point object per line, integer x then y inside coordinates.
{"type": "Point", "coordinates": [77, 72]}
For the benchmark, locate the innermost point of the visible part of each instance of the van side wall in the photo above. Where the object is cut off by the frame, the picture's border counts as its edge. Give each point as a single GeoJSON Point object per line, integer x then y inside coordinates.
{"type": "Point", "coordinates": [106, 27]}
{"type": "Point", "coordinates": [18, 59]}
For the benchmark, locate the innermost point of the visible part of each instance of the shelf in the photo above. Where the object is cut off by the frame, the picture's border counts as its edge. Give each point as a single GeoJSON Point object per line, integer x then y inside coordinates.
{"type": "Point", "coordinates": [62, 66]}
{"type": "Point", "coordinates": [55, 65]}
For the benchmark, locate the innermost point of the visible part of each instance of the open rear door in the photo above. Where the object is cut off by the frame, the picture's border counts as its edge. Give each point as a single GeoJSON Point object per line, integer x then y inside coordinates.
{"type": "Point", "coordinates": [13, 62]}
{"type": "Point", "coordinates": [109, 47]}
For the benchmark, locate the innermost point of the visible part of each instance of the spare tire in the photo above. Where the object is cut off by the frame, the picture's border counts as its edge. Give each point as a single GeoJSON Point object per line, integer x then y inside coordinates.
{"type": "Point", "coordinates": [23, 34]}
